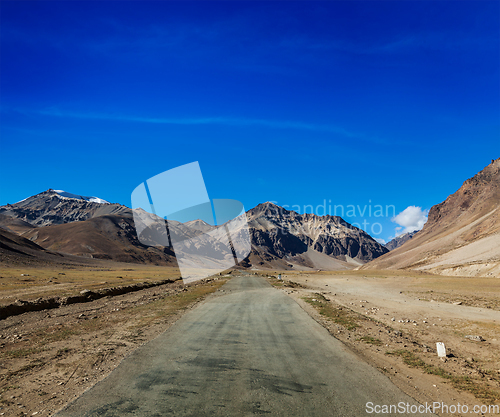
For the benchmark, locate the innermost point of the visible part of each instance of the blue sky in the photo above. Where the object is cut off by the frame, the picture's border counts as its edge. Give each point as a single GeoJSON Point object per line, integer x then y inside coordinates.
{"type": "Point", "coordinates": [391, 103]}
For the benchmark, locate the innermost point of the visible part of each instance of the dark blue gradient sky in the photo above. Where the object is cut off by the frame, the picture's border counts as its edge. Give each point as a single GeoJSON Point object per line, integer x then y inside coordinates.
{"type": "Point", "coordinates": [356, 103]}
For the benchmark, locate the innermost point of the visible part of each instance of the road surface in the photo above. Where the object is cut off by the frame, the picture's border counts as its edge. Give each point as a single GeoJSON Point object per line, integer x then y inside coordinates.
{"type": "Point", "coordinates": [250, 351]}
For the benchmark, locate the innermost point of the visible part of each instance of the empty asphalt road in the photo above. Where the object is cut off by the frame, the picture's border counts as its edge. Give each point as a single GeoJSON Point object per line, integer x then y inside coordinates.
{"type": "Point", "coordinates": [250, 351]}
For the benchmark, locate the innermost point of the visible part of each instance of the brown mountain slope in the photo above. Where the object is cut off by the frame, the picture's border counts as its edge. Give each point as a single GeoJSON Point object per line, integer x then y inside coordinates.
{"type": "Point", "coordinates": [461, 236]}
{"type": "Point", "coordinates": [14, 224]}
{"type": "Point", "coordinates": [104, 237]}
{"type": "Point", "coordinates": [17, 250]}
{"type": "Point", "coordinates": [15, 243]}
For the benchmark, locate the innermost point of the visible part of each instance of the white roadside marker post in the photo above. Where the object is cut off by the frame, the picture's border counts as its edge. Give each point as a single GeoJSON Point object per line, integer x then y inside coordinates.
{"type": "Point", "coordinates": [441, 350]}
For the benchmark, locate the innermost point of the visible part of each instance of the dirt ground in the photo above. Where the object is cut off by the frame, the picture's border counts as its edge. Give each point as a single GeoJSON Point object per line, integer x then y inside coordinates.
{"type": "Point", "coordinates": [29, 283]}
{"type": "Point", "coordinates": [393, 320]}
{"type": "Point", "coordinates": [50, 357]}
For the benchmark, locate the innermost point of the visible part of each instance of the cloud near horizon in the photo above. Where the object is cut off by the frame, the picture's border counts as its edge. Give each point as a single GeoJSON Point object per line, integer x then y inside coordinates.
{"type": "Point", "coordinates": [410, 219]}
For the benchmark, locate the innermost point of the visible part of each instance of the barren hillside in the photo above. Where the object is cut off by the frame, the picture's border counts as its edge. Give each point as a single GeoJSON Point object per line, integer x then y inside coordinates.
{"type": "Point", "coordinates": [461, 236]}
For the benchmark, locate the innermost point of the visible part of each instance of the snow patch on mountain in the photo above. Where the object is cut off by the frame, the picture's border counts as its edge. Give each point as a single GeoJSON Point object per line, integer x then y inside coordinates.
{"type": "Point", "coordinates": [63, 195]}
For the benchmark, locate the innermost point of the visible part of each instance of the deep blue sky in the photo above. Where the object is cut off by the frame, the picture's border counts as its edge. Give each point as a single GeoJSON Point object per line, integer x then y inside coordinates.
{"type": "Point", "coordinates": [390, 102]}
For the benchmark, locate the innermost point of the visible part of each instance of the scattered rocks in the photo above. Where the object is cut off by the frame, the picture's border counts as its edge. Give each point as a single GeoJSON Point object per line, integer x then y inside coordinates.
{"type": "Point", "coordinates": [476, 338]}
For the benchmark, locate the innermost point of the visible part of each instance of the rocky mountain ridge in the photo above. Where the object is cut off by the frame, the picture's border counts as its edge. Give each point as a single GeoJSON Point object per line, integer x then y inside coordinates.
{"type": "Point", "coordinates": [280, 234]}
{"type": "Point", "coordinates": [48, 208]}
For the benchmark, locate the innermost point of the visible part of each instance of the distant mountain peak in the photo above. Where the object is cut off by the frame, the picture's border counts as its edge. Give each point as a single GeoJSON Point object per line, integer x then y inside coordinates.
{"type": "Point", "coordinates": [58, 206]}
{"type": "Point", "coordinates": [281, 238]}
{"type": "Point", "coordinates": [269, 205]}
{"type": "Point", "coordinates": [65, 195]}
{"type": "Point", "coordinates": [399, 240]}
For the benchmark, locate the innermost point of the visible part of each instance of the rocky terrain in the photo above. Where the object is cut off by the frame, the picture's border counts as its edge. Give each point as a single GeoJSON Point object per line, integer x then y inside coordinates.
{"type": "Point", "coordinates": [286, 239]}
{"type": "Point", "coordinates": [461, 236]}
{"type": "Point", "coordinates": [51, 356]}
{"type": "Point", "coordinates": [399, 240]}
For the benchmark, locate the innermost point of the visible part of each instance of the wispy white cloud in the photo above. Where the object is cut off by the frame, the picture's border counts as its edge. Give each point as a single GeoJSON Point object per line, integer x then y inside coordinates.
{"type": "Point", "coordinates": [231, 121]}
{"type": "Point", "coordinates": [410, 219]}
{"type": "Point", "coordinates": [437, 41]}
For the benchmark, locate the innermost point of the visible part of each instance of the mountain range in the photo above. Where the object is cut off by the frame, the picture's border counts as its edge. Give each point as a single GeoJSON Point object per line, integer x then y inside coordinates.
{"type": "Point", "coordinates": [68, 224]}
{"type": "Point", "coordinates": [461, 236]}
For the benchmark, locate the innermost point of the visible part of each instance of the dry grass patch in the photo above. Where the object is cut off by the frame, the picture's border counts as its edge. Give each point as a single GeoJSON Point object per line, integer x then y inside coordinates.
{"type": "Point", "coordinates": [460, 382]}
{"type": "Point", "coordinates": [371, 340]}
{"type": "Point", "coordinates": [31, 283]}
{"type": "Point", "coordinates": [20, 353]}
{"type": "Point", "coordinates": [171, 304]}
{"type": "Point", "coordinates": [339, 315]}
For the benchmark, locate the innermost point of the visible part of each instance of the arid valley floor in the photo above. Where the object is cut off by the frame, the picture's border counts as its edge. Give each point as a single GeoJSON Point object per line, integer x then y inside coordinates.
{"type": "Point", "coordinates": [392, 320]}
